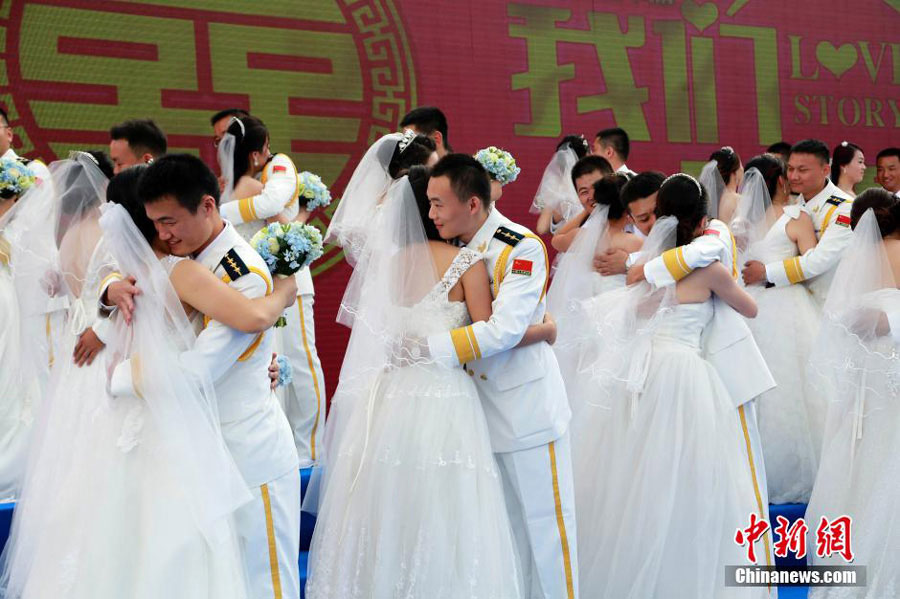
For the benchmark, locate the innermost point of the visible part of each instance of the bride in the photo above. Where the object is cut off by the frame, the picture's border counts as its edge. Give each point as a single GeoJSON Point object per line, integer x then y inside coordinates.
{"type": "Point", "coordinates": [857, 360]}
{"type": "Point", "coordinates": [412, 504]}
{"type": "Point", "coordinates": [769, 229]}
{"type": "Point", "coordinates": [678, 488]}
{"type": "Point", "coordinates": [129, 497]}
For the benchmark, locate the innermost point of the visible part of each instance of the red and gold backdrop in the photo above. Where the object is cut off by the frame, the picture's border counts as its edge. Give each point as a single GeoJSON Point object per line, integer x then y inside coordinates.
{"type": "Point", "coordinates": [328, 77]}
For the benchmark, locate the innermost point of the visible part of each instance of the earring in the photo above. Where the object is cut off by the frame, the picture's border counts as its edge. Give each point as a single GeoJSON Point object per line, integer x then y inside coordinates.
{"type": "Point", "coordinates": [254, 162]}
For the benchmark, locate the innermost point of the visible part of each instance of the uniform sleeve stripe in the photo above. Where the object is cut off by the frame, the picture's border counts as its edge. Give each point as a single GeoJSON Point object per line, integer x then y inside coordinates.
{"type": "Point", "coordinates": [464, 351]}
{"type": "Point", "coordinates": [793, 271]}
{"type": "Point", "coordinates": [245, 206]}
{"type": "Point", "coordinates": [675, 264]}
{"type": "Point", "coordinates": [470, 333]}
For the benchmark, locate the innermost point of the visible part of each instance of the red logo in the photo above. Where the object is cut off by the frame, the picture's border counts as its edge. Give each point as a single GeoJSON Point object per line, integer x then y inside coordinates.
{"type": "Point", "coordinates": [834, 537]}
{"type": "Point", "coordinates": [790, 538]}
{"type": "Point", "coordinates": [279, 169]}
{"type": "Point", "coordinates": [843, 220]}
{"type": "Point", "coordinates": [750, 535]}
{"type": "Point", "coordinates": [522, 267]}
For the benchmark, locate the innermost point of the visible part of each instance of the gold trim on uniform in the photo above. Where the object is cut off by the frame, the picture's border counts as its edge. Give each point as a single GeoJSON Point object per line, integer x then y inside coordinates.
{"type": "Point", "coordinates": [759, 503]}
{"type": "Point", "coordinates": [312, 370]}
{"type": "Point", "coordinates": [675, 263]}
{"type": "Point", "coordinates": [560, 523]}
{"type": "Point", "coordinates": [273, 548]}
{"type": "Point", "coordinates": [793, 271]}
{"type": "Point", "coordinates": [464, 350]}
{"type": "Point", "coordinates": [248, 213]}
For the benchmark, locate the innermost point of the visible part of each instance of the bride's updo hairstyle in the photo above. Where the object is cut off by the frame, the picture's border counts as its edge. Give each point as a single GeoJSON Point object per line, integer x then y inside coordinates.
{"type": "Point", "coordinates": [883, 203]}
{"type": "Point", "coordinates": [608, 192]}
{"type": "Point", "coordinates": [250, 135]}
{"type": "Point", "coordinates": [418, 179]}
{"type": "Point", "coordinates": [727, 162]}
{"type": "Point", "coordinates": [410, 151]}
{"type": "Point", "coordinates": [683, 197]}
{"type": "Point", "coordinates": [771, 167]}
{"type": "Point", "coordinates": [122, 190]}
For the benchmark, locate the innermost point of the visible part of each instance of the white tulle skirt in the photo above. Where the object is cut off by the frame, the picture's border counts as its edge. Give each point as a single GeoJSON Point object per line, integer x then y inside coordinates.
{"type": "Point", "coordinates": [413, 506]}
{"type": "Point", "coordinates": [16, 394]}
{"type": "Point", "coordinates": [670, 490]}
{"type": "Point", "coordinates": [790, 416]}
{"type": "Point", "coordinates": [101, 515]}
{"type": "Point", "coordinates": [860, 477]}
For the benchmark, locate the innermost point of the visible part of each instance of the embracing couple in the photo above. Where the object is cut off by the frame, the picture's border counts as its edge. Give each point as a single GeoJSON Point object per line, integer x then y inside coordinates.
{"type": "Point", "coordinates": [448, 469]}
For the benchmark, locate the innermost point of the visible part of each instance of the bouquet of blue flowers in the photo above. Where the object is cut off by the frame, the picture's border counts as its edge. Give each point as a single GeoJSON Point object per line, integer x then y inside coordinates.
{"type": "Point", "coordinates": [15, 178]}
{"type": "Point", "coordinates": [499, 164]}
{"type": "Point", "coordinates": [313, 191]}
{"type": "Point", "coordinates": [287, 249]}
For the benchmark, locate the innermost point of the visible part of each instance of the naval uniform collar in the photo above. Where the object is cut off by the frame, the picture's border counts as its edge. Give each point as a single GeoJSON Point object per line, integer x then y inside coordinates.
{"type": "Point", "coordinates": [483, 237]}
{"type": "Point", "coordinates": [829, 190]}
{"type": "Point", "coordinates": [218, 247]}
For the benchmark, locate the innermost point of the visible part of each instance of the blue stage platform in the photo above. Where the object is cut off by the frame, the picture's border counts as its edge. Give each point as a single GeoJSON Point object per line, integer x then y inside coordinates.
{"type": "Point", "coordinates": [307, 523]}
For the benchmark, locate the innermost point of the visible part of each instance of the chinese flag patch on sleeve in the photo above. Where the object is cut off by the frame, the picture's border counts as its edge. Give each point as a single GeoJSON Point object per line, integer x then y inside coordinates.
{"type": "Point", "coordinates": [279, 169]}
{"type": "Point", "coordinates": [522, 267]}
{"type": "Point", "coordinates": [843, 220]}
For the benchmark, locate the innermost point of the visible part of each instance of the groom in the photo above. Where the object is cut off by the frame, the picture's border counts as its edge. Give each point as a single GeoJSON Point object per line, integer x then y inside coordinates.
{"type": "Point", "coordinates": [181, 197]}
{"type": "Point", "coordinates": [521, 387]}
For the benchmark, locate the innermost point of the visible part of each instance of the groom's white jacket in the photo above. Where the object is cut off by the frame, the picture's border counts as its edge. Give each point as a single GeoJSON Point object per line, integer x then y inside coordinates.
{"type": "Point", "coordinates": [521, 388]}
{"type": "Point", "coordinates": [728, 343]}
{"type": "Point", "coordinates": [253, 425]}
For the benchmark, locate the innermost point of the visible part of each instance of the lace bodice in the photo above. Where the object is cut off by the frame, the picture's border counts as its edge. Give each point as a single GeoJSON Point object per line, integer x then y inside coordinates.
{"type": "Point", "coordinates": [435, 312]}
{"type": "Point", "coordinates": [169, 262]}
{"type": "Point", "coordinates": [685, 323]}
{"type": "Point", "coordinates": [776, 245]}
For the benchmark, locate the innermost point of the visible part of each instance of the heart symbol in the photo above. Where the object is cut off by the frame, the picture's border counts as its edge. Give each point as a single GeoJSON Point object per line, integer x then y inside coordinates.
{"type": "Point", "coordinates": [700, 16]}
{"type": "Point", "coordinates": [837, 60]}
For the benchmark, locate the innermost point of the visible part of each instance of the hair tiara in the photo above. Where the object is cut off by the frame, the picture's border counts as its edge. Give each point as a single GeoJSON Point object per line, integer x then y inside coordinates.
{"type": "Point", "coordinates": [685, 176]}
{"type": "Point", "coordinates": [240, 123]}
{"type": "Point", "coordinates": [408, 136]}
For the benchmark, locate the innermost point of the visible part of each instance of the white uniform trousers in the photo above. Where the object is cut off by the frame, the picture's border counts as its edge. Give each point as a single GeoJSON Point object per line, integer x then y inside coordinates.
{"type": "Point", "coordinates": [303, 399]}
{"type": "Point", "coordinates": [752, 446]}
{"type": "Point", "coordinates": [540, 499]}
{"type": "Point", "coordinates": [269, 531]}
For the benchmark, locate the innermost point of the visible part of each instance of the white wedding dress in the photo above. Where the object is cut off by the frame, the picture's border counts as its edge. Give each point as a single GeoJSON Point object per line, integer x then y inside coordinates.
{"type": "Point", "coordinates": [859, 472]}
{"type": "Point", "coordinates": [17, 395]}
{"type": "Point", "coordinates": [102, 514]}
{"type": "Point", "coordinates": [790, 415]}
{"type": "Point", "coordinates": [677, 487]}
{"type": "Point", "coordinates": [414, 507]}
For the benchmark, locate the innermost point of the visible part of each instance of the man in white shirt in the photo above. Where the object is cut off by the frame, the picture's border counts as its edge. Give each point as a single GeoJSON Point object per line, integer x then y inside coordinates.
{"type": "Point", "coordinates": [614, 145]}
{"type": "Point", "coordinates": [37, 167]}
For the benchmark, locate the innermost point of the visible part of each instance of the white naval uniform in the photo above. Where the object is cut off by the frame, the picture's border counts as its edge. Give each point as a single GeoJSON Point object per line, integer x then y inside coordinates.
{"type": "Point", "coordinates": [304, 398]}
{"type": "Point", "coordinates": [728, 346]}
{"type": "Point", "coordinates": [626, 171]}
{"type": "Point", "coordinates": [830, 212]}
{"type": "Point", "coordinates": [525, 405]}
{"type": "Point", "coordinates": [253, 424]}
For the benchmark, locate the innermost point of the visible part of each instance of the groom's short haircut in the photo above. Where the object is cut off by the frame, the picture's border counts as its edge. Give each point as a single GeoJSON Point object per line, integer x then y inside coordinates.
{"type": "Point", "coordinates": [182, 176]}
{"type": "Point", "coordinates": [467, 177]}
{"type": "Point", "coordinates": [643, 185]}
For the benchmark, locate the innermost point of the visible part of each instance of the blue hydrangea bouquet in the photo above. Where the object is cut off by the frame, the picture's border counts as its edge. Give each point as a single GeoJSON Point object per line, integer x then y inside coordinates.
{"type": "Point", "coordinates": [15, 178]}
{"type": "Point", "coordinates": [313, 191]}
{"type": "Point", "coordinates": [499, 164]}
{"type": "Point", "coordinates": [287, 249]}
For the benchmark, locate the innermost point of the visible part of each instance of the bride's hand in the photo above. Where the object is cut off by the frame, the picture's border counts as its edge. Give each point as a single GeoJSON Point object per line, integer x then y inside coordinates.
{"type": "Point", "coordinates": [287, 288]}
{"type": "Point", "coordinates": [550, 323]}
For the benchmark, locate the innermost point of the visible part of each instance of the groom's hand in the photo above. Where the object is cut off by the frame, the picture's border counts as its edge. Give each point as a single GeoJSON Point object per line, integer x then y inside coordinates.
{"type": "Point", "coordinates": [87, 348]}
{"type": "Point", "coordinates": [274, 371]}
{"type": "Point", "coordinates": [611, 262]}
{"type": "Point", "coordinates": [121, 294]}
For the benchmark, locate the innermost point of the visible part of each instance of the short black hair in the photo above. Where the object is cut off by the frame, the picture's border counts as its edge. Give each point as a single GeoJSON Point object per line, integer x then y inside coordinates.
{"type": "Point", "coordinates": [4, 115]}
{"type": "Point", "coordinates": [427, 120]}
{"type": "Point", "coordinates": [467, 177]}
{"type": "Point", "coordinates": [618, 139]}
{"type": "Point", "coordinates": [888, 153]}
{"type": "Point", "coordinates": [238, 112]}
{"type": "Point", "coordinates": [418, 180]}
{"type": "Point", "coordinates": [643, 185]}
{"type": "Point", "coordinates": [589, 164]}
{"type": "Point", "coordinates": [123, 190]}
{"type": "Point", "coordinates": [779, 147]}
{"type": "Point", "coordinates": [813, 146]}
{"type": "Point", "coordinates": [142, 135]}
{"type": "Point", "coordinates": [608, 192]}
{"type": "Point", "coordinates": [578, 144]}
{"type": "Point", "coordinates": [183, 176]}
